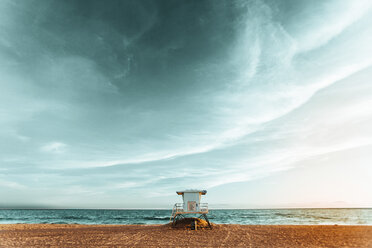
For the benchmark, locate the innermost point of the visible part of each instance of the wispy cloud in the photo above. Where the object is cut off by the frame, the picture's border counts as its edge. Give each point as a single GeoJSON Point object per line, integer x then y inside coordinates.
{"type": "Point", "coordinates": [54, 147]}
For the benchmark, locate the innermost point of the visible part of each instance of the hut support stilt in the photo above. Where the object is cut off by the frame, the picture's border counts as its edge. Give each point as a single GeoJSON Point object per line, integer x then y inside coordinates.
{"type": "Point", "coordinates": [206, 219]}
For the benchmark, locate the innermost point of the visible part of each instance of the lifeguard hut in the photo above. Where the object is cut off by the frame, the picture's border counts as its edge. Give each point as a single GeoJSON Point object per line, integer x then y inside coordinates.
{"type": "Point", "coordinates": [191, 206]}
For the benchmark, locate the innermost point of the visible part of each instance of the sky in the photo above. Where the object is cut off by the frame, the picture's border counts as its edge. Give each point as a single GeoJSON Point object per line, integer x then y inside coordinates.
{"type": "Point", "coordinates": [118, 104]}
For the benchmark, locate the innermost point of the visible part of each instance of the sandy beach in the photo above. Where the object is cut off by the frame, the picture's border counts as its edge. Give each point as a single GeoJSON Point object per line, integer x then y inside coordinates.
{"type": "Point", "coordinates": [61, 235]}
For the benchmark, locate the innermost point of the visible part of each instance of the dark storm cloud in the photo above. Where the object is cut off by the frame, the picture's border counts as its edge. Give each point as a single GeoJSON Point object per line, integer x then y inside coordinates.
{"type": "Point", "coordinates": [137, 60]}
{"type": "Point", "coordinates": [141, 46]}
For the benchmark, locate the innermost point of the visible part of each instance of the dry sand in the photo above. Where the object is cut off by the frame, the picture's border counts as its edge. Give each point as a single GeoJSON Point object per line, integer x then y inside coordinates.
{"type": "Point", "coordinates": [56, 235]}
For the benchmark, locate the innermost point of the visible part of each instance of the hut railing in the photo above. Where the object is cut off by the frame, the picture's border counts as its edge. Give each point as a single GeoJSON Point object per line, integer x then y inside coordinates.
{"type": "Point", "coordinates": [204, 207]}
{"type": "Point", "coordinates": [178, 207]}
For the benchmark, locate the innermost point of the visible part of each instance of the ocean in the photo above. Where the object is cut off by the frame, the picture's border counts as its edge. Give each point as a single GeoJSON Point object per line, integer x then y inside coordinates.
{"type": "Point", "coordinates": [219, 216]}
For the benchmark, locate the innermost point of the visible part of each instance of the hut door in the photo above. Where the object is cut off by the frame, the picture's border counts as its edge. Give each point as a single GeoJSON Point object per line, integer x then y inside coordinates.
{"type": "Point", "coordinates": [191, 206]}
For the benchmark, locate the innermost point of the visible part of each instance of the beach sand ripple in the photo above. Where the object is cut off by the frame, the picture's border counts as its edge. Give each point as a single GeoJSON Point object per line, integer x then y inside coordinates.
{"type": "Point", "coordinates": [63, 235]}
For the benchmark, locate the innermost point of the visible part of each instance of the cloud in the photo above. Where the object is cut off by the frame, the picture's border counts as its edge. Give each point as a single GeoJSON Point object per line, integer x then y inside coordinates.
{"type": "Point", "coordinates": [54, 147]}
{"type": "Point", "coordinates": [12, 185]}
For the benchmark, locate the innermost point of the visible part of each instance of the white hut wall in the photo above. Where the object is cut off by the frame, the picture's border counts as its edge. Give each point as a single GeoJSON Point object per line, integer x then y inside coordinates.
{"type": "Point", "coordinates": [191, 202]}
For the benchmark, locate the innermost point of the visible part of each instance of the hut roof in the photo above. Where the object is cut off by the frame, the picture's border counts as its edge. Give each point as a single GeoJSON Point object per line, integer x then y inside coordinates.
{"type": "Point", "coordinates": [203, 192]}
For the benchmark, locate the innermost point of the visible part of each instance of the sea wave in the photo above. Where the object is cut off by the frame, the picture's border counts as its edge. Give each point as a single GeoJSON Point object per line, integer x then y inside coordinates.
{"type": "Point", "coordinates": [247, 217]}
{"type": "Point", "coordinates": [157, 218]}
{"type": "Point", "coordinates": [77, 217]}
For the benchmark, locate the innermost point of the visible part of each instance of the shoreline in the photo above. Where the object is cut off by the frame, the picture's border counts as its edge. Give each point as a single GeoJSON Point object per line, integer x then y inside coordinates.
{"type": "Point", "coordinates": [222, 235]}
{"type": "Point", "coordinates": [218, 224]}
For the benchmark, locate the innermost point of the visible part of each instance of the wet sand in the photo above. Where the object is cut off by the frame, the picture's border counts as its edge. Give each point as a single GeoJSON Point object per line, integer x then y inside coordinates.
{"type": "Point", "coordinates": [60, 235]}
